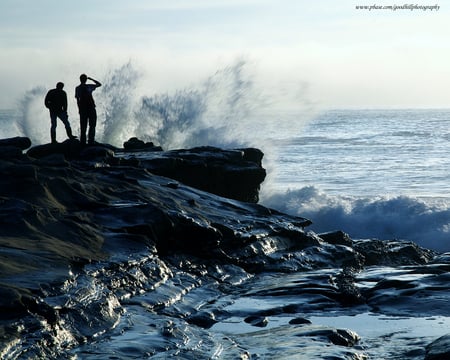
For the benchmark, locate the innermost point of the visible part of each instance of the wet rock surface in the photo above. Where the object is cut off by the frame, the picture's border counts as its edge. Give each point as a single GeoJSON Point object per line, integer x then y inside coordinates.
{"type": "Point", "coordinates": [439, 349]}
{"type": "Point", "coordinates": [100, 257]}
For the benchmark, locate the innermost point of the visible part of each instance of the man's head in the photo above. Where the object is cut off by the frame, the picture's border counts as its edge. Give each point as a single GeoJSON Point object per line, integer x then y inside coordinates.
{"type": "Point", "coordinates": [60, 85]}
{"type": "Point", "coordinates": [83, 78]}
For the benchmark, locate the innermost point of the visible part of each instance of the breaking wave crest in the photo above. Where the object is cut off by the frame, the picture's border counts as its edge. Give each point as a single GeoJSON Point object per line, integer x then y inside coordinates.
{"type": "Point", "coordinates": [401, 217]}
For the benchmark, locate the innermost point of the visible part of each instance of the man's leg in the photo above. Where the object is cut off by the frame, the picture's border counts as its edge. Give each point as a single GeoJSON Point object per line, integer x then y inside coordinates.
{"type": "Point", "coordinates": [53, 127]}
{"type": "Point", "coordinates": [65, 119]}
{"type": "Point", "coordinates": [92, 125]}
{"type": "Point", "coordinates": [83, 127]}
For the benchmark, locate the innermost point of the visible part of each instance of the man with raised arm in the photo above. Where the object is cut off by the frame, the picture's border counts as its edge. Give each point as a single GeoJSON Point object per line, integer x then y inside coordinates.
{"type": "Point", "coordinates": [86, 108]}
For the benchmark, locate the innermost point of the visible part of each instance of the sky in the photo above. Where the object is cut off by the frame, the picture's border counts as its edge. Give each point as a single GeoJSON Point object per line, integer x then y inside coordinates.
{"type": "Point", "coordinates": [325, 52]}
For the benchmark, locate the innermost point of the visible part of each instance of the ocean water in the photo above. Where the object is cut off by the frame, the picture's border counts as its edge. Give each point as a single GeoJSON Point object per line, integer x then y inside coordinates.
{"type": "Point", "coordinates": [371, 173]}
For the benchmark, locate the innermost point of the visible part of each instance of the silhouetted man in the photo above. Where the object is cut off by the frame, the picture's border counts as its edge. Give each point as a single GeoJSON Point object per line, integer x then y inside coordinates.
{"type": "Point", "coordinates": [56, 102]}
{"type": "Point", "coordinates": [86, 108]}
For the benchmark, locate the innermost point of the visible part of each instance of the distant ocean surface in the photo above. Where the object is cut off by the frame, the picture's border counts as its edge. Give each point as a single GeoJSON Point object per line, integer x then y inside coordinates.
{"type": "Point", "coordinates": [371, 173]}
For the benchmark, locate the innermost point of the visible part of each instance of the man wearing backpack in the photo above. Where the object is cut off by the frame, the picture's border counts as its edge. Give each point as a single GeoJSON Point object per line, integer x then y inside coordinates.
{"type": "Point", "coordinates": [86, 108]}
{"type": "Point", "coordinates": [56, 102]}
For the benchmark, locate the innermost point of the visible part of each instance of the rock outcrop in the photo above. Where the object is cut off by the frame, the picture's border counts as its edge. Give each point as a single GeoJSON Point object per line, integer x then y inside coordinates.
{"type": "Point", "coordinates": [235, 174]}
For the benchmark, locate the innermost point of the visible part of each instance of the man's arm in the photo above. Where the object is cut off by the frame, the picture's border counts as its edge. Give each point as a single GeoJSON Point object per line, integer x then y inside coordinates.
{"type": "Point", "coordinates": [97, 83]}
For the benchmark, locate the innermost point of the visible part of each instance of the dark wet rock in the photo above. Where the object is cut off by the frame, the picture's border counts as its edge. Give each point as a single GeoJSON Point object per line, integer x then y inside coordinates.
{"type": "Point", "coordinates": [202, 319]}
{"type": "Point", "coordinates": [10, 152]}
{"type": "Point", "coordinates": [344, 337]}
{"type": "Point", "coordinates": [53, 160]}
{"type": "Point", "coordinates": [236, 174]}
{"type": "Point", "coordinates": [13, 306]}
{"type": "Point", "coordinates": [252, 155]}
{"type": "Point", "coordinates": [97, 153]}
{"type": "Point", "coordinates": [349, 293]}
{"type": "Point", "coordinates": [136, 144]}
{"type": "Point", "coordinates": [72, 149]}
{"type": "Point", "coordinates": [439, 349]}
{"type": "Point", "coordinates": [70, 213]}
{"type": "Point", "coordinates": [22, 143]}
{"type": "Point", "coordinates": [173, 185]}
{"type": "Point", "coordinates": [258, 321]}
{"type": "Point", "coordinates": [336, 238]}
{"type": "Point", "coordinates": [341, 337]}
{"type": "Point", "coordinates": [392, 253]}
{"type": "Point", "coordinates": [299, 321]}
{"type": "Point", "coordinates": [69, 148]}
{"type": "Point", "coordinates": [19, 171]}
{"type": "Point", "coordinates": [12, 148]}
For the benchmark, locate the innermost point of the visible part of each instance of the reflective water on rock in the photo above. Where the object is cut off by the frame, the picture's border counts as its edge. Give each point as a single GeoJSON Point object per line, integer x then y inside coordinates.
{"type": "Point", "coordinates": [116, 262]}
{"type": "Point", "coordinates": [270, 316]}
{"type": "Point", "coordinates": [189, 308]}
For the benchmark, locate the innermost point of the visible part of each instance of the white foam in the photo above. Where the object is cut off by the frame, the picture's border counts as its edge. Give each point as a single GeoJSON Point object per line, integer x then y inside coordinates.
{"type": "Point", "coordinates": [425, 222]}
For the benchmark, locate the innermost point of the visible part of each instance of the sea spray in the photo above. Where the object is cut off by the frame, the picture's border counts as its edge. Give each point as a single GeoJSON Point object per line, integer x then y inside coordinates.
{"type": "Point", "coordinates": [170, 120]}
{"type": "Point", "coordinates": [115, 104]}
{"type": "Point", "coordinates": [220, 111]}
{"type": "Point", "coordinates": [9, 124]}
{"type": "Point", "coordinates": [33, 119]}
{"type": "Point", "coordinates": [230, 108]}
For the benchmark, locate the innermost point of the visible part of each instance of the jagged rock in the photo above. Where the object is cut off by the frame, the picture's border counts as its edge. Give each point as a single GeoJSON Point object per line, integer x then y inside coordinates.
{"type": "Point", "coordinates": [253, 155]}
{"type": "Point", "coordinates": [202, 319]}
{"type": "Point", "coordinates": [392, 253]}
{"type": "Point", "coordinates": [18, 172]}
{"type": "Point", "coordinates": [53, 160]}
{"type": "Point", "coordinates": [136, 144]}
{"type": "Point", "coordinates": [72, 207]}
{"type": "Point", "coordinates": [300, 321]}
{"type": "Point", "coordinates": [236, 174]}
{"type": "Point", "coordinates": [70, 149]}
{"type": "Point", "coordinates": [341, 337]}
{"type": "Point", "coordinates": [20, 142]}
{"type": "Point", "coordinates": [258, 321]}
{"type": "Point", "coordinates": [336, 238]}
{"type": "Point", "coordinates": [344, 337]}
{"type": "Point", "coordinates": [12, 302]}
{"type": "Point", "coordinates": [12, 148]}
{"type": "Point", "coordinates": [439, 349]}
{"type": "Point", "coordinates": [10, 152]}
{"type": "Point", "coordinates": [97, 152]}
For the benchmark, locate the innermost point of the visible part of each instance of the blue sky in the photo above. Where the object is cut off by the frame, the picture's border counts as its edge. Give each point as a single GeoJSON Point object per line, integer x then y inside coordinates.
{"type": "Point", "coordinates": [343, 57]}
